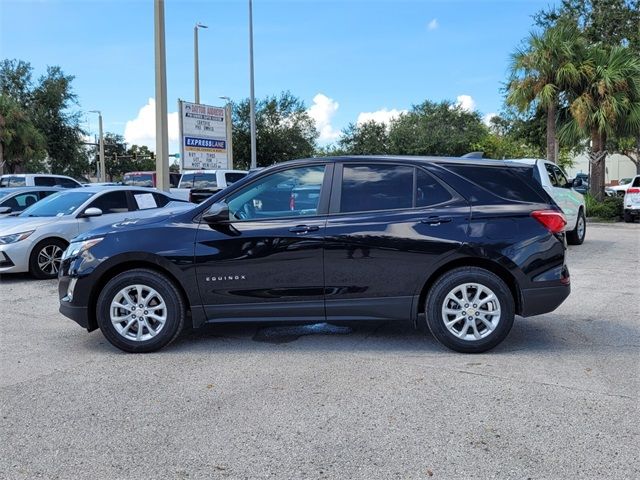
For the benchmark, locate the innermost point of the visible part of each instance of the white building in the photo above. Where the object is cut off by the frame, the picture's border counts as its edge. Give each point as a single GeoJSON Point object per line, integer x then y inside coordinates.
{"type": "Point", "coordinates": [617, 167]}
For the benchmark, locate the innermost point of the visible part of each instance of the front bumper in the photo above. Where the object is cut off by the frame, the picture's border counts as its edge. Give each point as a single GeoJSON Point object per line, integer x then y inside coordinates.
{"type": "Point", "coordinates": [74, 293]}
{"type": "Point", "coordinates": [14, 257]}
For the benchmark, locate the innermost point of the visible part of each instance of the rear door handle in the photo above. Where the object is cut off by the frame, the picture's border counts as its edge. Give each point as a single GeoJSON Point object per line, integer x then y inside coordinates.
{"type": "Point", "coordinates": [436, 220]}
{"type": "Point", "coordinates": [304, 228]}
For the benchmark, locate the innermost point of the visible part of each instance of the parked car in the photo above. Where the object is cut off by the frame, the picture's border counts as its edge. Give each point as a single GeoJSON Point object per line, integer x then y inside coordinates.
{"type": "Point", "coordinates": [554, 181]}
{"type": "Point", "coordinates": [461, 244]}
{"type": "Point", "coordinates": [580, 183]}
{"type": "Point", "coordinates": [198, 185]}
{"type": "Point", "coordinates": [148, 179]}
{"type": "Point", "coordinates": [620, 189]}
{"type": "Point", "coordinates": [34, 240]}
{"type": "Point", "coordinates": [37, 180]}
{"type": "Point", "coordinates": [15, 200]}
{"type": "Point", "coordinates": [631, 200]}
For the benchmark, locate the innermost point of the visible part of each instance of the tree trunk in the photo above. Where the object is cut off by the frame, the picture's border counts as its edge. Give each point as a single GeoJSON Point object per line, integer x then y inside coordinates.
{"type": "Point", "coordinates": [551, 133]}
{"type": "Point", "coordinates": [1, 158]}
{"type": "Point", "coordinates": [597, 156]}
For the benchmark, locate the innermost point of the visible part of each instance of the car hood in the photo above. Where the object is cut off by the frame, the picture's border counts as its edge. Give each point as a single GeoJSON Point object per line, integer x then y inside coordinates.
{"type": "Point", "coordinates": [10, 225]}
{"type": "Point", "coordinates": [135, 223]}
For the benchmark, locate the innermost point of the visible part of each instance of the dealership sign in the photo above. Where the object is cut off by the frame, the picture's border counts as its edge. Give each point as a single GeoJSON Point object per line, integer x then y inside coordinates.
{"type": "Point", "coordinates": [203, 136]}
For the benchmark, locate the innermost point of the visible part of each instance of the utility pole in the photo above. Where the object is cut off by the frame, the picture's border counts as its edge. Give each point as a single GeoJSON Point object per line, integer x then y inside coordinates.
{"type": "Point", "coordinates": [162, 131]}
{"type": "Point", "coordinates": [102, 170]}
{"type": "Point", "coordinates": [229, 128]}
{"type": "Point", "coordinates": [252, 98]}
{"type": "Point", "coordinates": [196, 62]}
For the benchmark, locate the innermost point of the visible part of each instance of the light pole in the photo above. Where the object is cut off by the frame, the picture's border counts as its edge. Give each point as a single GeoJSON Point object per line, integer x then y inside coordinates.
{"type": "Point", "coordinates": [102, 176]}
{"type": "Point", "coordinates": [196, 63]}
{"type": "Point", "coordinates": [229, 129]}
{"type": "Point", "coordinates": [252, 98]}
{"type": "Point", "coordinates": [162, 131]}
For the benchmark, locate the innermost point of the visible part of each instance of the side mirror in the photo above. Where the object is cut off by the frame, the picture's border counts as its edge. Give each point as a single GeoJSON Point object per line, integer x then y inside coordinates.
{"type": "Point", "coordinates": [4, 210]}
{"type": "Point", "coordinates": [577, 182]}
{"type": "Point", "coordinates": [92, 212]}
{"type": "Point", "coordinates": [218, 212]}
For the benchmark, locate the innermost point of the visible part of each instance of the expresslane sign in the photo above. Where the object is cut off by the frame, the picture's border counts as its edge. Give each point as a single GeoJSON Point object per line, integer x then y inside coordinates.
{"type": "Point", "coordinates": [203, 132]}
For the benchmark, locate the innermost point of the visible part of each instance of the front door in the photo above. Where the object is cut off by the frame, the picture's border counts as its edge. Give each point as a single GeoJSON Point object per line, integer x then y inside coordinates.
{"type": "Point", "coordinates": [567, 199]}
{"type": "Point", "coordinates": [267, 262]}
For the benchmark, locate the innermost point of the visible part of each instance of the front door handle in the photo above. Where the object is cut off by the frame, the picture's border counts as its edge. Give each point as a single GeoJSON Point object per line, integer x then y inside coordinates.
{"type": "Point", "coordinates": [304, 228]}
{"type": "Point", "coordinates": [435, 220]}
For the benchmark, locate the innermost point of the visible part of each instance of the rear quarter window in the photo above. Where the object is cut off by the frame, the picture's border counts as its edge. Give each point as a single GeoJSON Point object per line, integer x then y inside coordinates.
{"type": "Point", "coordinates": [511, 183]}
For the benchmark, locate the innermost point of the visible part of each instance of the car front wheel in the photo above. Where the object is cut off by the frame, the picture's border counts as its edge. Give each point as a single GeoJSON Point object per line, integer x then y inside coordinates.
{"type": "Point", "coordinates": [470, 310]}
{"type": "Point", "coordinates": [140, 311]}
{"type": "Point", "coordinates": [45, 259]}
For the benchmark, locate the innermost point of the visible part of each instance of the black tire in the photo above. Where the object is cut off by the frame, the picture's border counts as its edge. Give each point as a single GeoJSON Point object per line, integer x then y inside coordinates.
{"type": "Point", "coordinates": [628, 218]}
{"type": "Point", "coordinates": [573, 236]}
{"type": "Point", "coordinates": [39, 267]}
{"type": "Point", "coordinates": [455, 279]}
{"type": "Point", "coordinates": [175, 311]}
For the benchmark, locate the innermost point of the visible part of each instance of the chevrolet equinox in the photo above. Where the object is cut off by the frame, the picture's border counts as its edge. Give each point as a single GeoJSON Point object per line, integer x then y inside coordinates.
{"type": "Point", "coordinates": [461, 244]}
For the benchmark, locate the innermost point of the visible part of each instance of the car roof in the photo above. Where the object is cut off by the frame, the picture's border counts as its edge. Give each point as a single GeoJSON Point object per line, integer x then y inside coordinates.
{"type": "Point", "coordinates": [527, 161]}
{"type": "Point", "coordinates": [107, 188]}
{"type": "Point", "coordinates": [35, 175]}
{"type": "Point", "coordinates": [32, 189]}
{"type": "Point", "coordinates": [214, 171]}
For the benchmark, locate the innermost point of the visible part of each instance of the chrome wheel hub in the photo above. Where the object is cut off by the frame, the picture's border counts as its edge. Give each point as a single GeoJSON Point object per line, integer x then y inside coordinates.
{"type": "Point", "coordinates": [49, 259]}
{"type": "Point", "coordinates": [138, 312]}
{"type": "Point", "coordinates": [471, 311]}
{"type": "Point", "coordinates": [580, 227]}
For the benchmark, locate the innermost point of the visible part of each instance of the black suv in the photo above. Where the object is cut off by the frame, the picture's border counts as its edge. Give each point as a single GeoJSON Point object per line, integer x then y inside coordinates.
{"type": "Point", "coordinates": [463, 244]}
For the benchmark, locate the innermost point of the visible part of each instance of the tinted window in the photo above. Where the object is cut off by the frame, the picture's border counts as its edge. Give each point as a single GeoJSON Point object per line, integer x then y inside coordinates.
{"type": "Point", "coordinates": [552, 174]}
{"type": "Point", "coordinates": [636, 182]}
{"type": "Point", "coordinates": [44, 181]}
{"type": "Point", "coordinates": [64, 203]}
{"type": "Point", "coordinates": [376, 187]}
{"type": "Point", "coordinates": [429, 191]}
{"type": "Point", "coordinates": [198, 180]}
{"type": "Point", "coordinates": [513, 183]}
{"type": "Point", "coordinates": [66, 183]}
{"type": "Point", "coordinates": [13, 182]}
{"type": "Point", "coordinates": [174, 179]}
{"type": "Point", "coordinates": [112, 202]}
{"type": "Point", "coordinates": [232, 177]}
{"type": "Point", "coordinates": [290, 193]}
{"type": "Point", "coordinates": [161, 200]}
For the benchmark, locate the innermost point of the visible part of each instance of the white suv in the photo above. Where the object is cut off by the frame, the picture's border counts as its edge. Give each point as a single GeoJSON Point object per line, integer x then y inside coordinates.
{"type": "Point", "coordinates": [632, 200]}
{"type": "Point", "coordinates": [37, 180]}
{"type": "Point", "coordinates": [554, 181]}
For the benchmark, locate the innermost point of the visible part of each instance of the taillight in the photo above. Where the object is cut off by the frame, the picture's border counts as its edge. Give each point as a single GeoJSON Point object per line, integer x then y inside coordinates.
{"type": "Point", "coordinates": [633, 190]}
{"type": "Point", "coordinates": [554, 221]}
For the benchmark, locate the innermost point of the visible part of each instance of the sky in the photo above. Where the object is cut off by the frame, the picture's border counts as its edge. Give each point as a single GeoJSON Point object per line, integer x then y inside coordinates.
{"type": "Point", "coordinates": [349, 60]}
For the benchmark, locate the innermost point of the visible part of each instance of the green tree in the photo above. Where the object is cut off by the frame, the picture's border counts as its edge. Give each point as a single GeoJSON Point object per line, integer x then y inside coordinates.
{"type": "Point", "coordinates": [22, 146]}
{"type": "Point", "coordinates": [284, 131]}
{"type": "Point", "coordinates": [436, 128]}
{"type": "Point", "coordinates": [541, 70]}
{"type": "Point", "coordinates": [369, 138]}
{"type": "Point", "coordinates": [604, 104]}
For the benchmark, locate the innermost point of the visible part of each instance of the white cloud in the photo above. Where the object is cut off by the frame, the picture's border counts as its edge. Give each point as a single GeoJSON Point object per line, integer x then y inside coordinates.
{"type": "Point", "coordinates": [433, 24]}
{"type": "Point", "coordinates": [380, 116]}
{"type": "Point", "coordinates": [466, 102]}
{"type": "Point", "coordinates": [322, 112]}
{"type": "Point", "coordinates": [487, 118]}
{"type": "Point", "coordinates": [142, 129]}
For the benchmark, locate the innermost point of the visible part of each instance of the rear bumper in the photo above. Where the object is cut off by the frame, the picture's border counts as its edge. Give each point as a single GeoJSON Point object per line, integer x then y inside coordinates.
{"type": "Point", "coordinates": [536, 301]}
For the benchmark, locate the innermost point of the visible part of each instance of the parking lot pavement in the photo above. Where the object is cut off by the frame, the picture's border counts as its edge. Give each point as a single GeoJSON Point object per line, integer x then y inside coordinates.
{"type": "Point", "coordinates": [558, 399]}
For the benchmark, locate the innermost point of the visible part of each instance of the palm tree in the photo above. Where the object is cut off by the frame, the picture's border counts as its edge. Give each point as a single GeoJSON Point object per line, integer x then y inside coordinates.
{"type": "Point", "coordinates": [541, 70]}
{"type": "Point", "coordinates": [603, 103]}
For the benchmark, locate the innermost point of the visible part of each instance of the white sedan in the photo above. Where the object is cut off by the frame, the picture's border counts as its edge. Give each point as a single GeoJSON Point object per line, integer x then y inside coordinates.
{"type": "Point", "coordinates": [35, 240]}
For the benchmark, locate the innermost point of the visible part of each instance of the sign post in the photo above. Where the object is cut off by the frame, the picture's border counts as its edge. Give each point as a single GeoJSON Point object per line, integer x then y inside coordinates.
{"type": "Point", "coordinates": [203, 136]}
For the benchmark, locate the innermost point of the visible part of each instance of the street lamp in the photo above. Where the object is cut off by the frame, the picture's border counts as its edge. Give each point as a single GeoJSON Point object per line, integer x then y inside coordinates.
{"type": "Point", "coordinates": [196, 66]}
{"type": "Point", "coordinates": [252, 98]}
{"type": "Point", "coordinates": [229, 129]}
{"type": "Point", "coordinates": [162, 130]}
{"type": "Point", "coordinates": [102, 175]}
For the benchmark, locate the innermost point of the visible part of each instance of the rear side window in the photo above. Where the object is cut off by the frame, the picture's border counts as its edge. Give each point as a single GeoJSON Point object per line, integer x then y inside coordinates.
{"type": "Point", "coordinates": [44, 181]}
{"type": "Point", "coordinates": [138, 180]}
{"type": "Point", "coordinates": [376, 187]}
{"type": "Point", "coordinates": [429, 191]}
{"type": "Point", "coordinates": [198, 180]}
{"type": "Point", "coordinates": [232, 177]}
{"type": "Point", "coordinates": [552, 175]}
{"type": "Point", "coordinates": [512, 183]}
{"type": "Point", "coordinates": [13, 182]}
{"type": "Point", "coordinates": [636, 182]}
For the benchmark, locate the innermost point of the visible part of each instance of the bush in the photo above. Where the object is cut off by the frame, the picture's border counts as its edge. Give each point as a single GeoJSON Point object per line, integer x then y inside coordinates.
{"type": "Point", "coordinates": [609, 208]}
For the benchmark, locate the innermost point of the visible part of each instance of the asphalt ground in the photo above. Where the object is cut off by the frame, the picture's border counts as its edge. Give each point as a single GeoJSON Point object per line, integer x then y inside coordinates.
{"type": "Point", "coordinates": [558, 399]}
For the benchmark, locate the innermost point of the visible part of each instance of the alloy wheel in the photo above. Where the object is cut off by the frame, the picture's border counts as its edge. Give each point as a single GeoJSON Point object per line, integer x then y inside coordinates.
{"type": "Point", "coordinates": [138, 312]}
{"type": "Point", "coordinates": [49, 259]}
{"type": "Point", "coordinates": [471, 311]}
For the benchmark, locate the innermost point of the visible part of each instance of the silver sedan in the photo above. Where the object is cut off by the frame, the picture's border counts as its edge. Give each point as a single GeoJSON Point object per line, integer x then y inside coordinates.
{"type": "Point", "coordinates": [35, 240]}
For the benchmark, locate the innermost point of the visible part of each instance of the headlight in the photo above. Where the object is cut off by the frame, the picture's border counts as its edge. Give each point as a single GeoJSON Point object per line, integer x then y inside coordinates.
{"type": "Point", "coordinates": [16, 237]}
{"type": "Point", "coordinates": [76, 248]}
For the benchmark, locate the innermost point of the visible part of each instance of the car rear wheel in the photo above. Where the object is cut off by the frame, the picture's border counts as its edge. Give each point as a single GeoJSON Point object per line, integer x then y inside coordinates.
{"type": "Point", "coordinates": [577, 235]}
{"type": "Point", "coordinates": [627, 217]}
{"type": "Point", "coordinates": [46, 257]}
{"type": "Point", "coordinates": [140, 311]}
{"type": "Point", "coordinates": [470, 310]}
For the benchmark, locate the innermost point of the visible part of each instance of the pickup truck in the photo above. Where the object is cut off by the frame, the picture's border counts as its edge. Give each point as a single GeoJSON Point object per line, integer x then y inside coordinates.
{"type": "Point", "coordinates": [198, 185]}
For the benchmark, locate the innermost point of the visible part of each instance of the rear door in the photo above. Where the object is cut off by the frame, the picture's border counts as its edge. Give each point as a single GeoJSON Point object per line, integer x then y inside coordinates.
{"type": "Point", "coordinates": [389, 224]}
{"type": "Point", "coordinates": [560, 190]}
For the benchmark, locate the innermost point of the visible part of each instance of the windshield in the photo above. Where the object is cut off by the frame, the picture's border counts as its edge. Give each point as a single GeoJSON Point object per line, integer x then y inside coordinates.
{"type": "Point", "coordinates": [3, 194]}
{"type": "Point", "coordinates": [138, 180]}
{"type": "Point", "coordinates": [57, 205]}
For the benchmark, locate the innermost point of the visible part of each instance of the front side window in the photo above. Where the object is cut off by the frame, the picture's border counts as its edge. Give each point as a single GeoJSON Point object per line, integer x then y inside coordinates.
{"type": "Point", "coordinates": [44, 181]}
{"type": "Point", "coordinates": [561, 178]}
{"type": "Point", "coordinates": [552, 174]}
{"type": "Point", "coordinates": [66, 182]}
{"type": "Point", "coordinates": [289, 193]}
{"type": "Point", "coordinates": [112, 202]}
{"type": "Point", "coordinates": [376, 187]}
{"type": "Point", "coordinates": [58, 205]}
